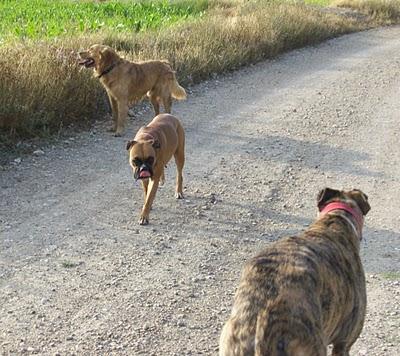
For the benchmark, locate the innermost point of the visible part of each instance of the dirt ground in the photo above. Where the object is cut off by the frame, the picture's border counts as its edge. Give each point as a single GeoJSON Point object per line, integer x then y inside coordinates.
{"type": "Point", "coordinates": [79, 276]}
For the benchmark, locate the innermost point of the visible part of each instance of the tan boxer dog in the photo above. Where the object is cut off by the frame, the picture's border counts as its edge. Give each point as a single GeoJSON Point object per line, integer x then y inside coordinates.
{"type": "Point", "coordinates": [304, 292]}
{"type": "Point", "coordinates": [149, 152]}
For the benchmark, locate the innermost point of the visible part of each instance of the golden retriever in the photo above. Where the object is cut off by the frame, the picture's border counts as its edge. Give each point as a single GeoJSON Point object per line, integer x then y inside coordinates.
{"type": "Point", "coordinates": [128, 82]}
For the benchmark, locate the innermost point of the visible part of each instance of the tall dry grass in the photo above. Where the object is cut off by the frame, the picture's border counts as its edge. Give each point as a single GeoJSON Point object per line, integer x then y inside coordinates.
{"type": "Point", "coordinates": [383, 12]}
{"type": "Point", "coordinates": [42, 89]}
{"type": "Point", "coordinates": [234, 37]}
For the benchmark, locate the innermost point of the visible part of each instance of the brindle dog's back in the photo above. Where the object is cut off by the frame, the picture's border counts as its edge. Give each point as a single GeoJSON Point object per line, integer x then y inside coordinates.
{"type": "Point", "coordinates": [299, 295]}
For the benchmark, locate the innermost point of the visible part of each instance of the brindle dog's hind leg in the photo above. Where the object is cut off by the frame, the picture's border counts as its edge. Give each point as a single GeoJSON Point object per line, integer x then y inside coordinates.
{"type": "Point", "coordinates": [340, 350]}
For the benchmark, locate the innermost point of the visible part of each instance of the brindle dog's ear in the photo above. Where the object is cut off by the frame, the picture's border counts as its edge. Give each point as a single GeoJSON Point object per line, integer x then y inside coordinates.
{"type": "Point", "coordinates": [129, 144]}
{"type": "Point", "coordinates": [325, 195]}
{"type": "Point", "coordinates": [362, 200]}
{"type": "Point", "coordinates": [156, 144]}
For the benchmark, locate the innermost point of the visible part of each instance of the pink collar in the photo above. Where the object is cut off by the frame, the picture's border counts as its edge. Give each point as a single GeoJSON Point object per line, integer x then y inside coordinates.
{"type": "Point", "coordinates": [342, 206]}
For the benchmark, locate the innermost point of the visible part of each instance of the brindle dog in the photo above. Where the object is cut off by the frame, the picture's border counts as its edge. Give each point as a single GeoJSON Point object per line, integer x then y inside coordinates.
{"type": "Point", "coordinates": [304, 292]}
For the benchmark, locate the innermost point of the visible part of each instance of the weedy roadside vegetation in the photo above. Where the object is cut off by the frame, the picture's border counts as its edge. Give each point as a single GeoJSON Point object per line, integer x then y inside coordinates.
{"type": "Point", "coordinates": [42, 89]}
{"type": "Point", "coordinates": [69, 264]}
{"type": "Point", "coordinates": [381, 12]}
{"type": "Point", "coordinates": [393, 276]}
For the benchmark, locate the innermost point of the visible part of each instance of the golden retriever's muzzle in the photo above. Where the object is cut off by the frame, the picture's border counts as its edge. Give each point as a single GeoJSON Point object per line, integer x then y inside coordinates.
{"type": "Point", "coordinates": [86, 60]}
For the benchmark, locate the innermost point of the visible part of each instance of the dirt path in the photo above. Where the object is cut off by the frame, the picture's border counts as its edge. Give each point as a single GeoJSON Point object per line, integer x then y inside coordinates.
{"type": "Point", "coordinates": [79, 276]}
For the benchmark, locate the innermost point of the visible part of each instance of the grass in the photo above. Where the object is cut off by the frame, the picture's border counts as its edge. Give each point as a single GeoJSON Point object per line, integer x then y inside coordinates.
{"type": "Point", "coordinates": [318, 2]}
{"type": "Point", "coordinates": [43, 90]}
{"type": "Point", "coordinates": [393, 276]}
{"type": "Point", "coordinates": [384, 12]}
{"type": "Point", "coordinates": [42, 19]}
{"type": "Point", "coordinates": [69, 264]}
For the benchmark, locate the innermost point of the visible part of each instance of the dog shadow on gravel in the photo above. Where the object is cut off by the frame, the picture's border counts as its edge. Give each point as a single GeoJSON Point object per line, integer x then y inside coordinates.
{"type": "Point", "coordinates": [294, 151]}
{"type": "Point", "coordinates": [318, 156]}
{"type": "Point", "coordinates": [380, 250]}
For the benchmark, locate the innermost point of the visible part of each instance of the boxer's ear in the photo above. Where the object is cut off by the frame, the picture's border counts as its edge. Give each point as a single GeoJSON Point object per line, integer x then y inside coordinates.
{"type": "Point", "coordinates": [156, 144]}
{"type": "Point", "coordinates": [129, 144]}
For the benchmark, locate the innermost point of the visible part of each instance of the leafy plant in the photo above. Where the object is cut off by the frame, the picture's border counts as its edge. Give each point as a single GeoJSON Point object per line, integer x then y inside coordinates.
{"type": "Point", "coordinates": [39, 19]}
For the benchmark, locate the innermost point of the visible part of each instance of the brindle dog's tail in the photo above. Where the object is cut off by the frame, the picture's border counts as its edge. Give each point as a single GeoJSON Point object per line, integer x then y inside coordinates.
{"type": "Point", "coordinates": [273, 331]}
{"type": "Point", "coordinates": [280, 337]}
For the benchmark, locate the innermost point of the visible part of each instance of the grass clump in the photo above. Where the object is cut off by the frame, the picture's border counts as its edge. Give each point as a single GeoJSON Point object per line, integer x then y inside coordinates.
{"type": "Point", "coordinates": [393, 276]}
{"type": "Point", "coordinates": [381, 11]}
{"type": "Point", "coordinates": [69, 264]}
{"type": "Point", "coordinates": [318, 2]}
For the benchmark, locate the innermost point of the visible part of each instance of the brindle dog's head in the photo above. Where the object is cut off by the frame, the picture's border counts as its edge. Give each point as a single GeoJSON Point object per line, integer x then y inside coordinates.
{"type": "Point", "coordinates": [354, 198]}
{"type": "Point", "coordinates": [99, 57]}
{"type": "Point", "coordinates": [143, 157]}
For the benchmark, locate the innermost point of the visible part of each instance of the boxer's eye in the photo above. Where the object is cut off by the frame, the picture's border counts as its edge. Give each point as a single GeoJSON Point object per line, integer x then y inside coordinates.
{"type": "Point", "coordinates": [137, 162]}
{"type": "Point", "coordinates": [150, 160]}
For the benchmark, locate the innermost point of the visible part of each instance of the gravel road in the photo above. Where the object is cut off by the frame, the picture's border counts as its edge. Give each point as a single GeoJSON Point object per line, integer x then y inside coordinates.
{"type": "Point", "coordinates": [79, 276]}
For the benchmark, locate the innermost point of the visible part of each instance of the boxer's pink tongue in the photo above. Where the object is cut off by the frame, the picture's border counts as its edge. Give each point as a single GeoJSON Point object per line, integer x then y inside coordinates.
{"type": "Point", "coordinates": [144, 174]}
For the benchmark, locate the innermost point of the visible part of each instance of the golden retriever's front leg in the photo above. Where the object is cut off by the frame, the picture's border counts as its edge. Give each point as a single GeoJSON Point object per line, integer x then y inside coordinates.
{"type": "Point", "coordinates": [155, 103]}
{"type": "Point", "coordinates": [114, 111]}
{"type": "Point", "coordinates": [151, 193]}
{"type": "Point", "coordinates": [122, 118]}
{"type": "Point", "coordinates": [167, 102]}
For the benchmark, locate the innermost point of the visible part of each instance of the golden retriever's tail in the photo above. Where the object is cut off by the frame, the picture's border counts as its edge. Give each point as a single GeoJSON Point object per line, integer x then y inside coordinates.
{"type": "Point", "coordinates": [177, 91]}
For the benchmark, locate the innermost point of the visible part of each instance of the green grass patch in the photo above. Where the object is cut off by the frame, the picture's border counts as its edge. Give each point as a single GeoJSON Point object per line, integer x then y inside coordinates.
{"type": "Point", "coordinates": [393, 276]}
{"type": "Point", "coordinates": [41, 19]}
{"type": "Point", "coordinates": [69, 264]}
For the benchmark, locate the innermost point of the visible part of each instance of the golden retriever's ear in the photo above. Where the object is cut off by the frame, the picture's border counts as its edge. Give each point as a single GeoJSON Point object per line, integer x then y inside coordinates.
{"type": "Point", "coordinates": [107, 55]}
{"type": "Point", "coordinates": [362, 200]}
{"type": "Point", "coordinates": [156, 144]}
{"type": "Point", "coordinates": [325, 195]}
{"type": "Point", "coordinates": [129, 144]}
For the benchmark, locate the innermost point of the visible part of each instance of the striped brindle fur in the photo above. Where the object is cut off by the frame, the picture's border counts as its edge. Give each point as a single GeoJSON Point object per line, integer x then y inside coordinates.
{"type": "Point", "coordinates": [305, 292]}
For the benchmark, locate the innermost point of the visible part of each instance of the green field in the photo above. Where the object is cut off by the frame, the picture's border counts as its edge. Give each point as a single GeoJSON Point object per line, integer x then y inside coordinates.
{"type": "Point", "coordinates": [40, 19]}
